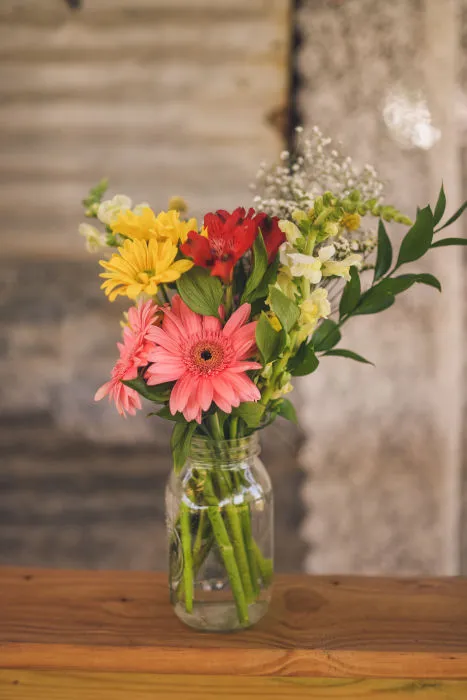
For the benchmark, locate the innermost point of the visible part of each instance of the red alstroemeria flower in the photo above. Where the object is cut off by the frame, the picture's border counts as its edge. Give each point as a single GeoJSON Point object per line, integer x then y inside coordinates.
{"type": "Point", "coordinates": [229, 236]}
{"type": "Point", "coordinates": [273, 236]}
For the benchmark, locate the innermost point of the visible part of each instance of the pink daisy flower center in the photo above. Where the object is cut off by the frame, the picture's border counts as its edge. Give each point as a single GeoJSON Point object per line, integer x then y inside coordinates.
{"type": "Point", "coordinates": [208, 355]}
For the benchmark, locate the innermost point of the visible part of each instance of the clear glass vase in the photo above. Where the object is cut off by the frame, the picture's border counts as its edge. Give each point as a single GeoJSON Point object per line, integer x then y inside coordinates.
{"type": "Point", "coordinates": [220, 528]}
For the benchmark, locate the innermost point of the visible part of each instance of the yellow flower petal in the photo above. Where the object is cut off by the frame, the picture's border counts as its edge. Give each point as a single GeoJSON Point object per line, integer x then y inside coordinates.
{"type": "Point", "coordinates": [140, 266]}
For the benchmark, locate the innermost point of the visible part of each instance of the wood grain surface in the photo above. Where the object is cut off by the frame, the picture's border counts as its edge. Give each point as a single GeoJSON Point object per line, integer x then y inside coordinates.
{"type": "Point", "coordinates": [317, 627]}
{"type": "Point", "coordinates": [53, 685]}
{"type": "Point", "coordinates": [162, 96]}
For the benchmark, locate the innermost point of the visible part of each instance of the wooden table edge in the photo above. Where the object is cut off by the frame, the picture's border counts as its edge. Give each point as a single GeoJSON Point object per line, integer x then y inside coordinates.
{"type": "Point", "coordinates": [305, 663]}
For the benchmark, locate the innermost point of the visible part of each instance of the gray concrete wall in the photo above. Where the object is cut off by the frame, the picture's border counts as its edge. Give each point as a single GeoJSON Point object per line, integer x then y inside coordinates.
{"type": "Point", "coordinates": [384, 456]}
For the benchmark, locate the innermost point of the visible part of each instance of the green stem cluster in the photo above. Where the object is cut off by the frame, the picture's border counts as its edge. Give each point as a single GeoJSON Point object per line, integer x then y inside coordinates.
{"type": "Point", "coordinates": [218, 522]}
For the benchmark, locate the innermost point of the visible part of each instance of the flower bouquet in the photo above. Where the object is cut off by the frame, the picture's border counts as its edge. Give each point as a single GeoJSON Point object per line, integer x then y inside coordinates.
{"type": "Point", "coordinates": [223, 316]}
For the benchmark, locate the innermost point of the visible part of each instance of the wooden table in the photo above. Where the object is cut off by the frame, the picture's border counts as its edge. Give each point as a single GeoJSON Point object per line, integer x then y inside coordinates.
{"type": "Point", "coordinates": [79, 635]}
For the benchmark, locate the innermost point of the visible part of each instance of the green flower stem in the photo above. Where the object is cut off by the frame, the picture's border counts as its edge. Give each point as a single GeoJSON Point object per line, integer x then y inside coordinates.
{"type": "Point", "coordinates": [228, 299]}
{"type": "Point", "coordinates": [199, 535]}
{"type": "Point", "coordinates": [249, 542]}
{"type": "Point", "coordinates": [309, 248]}
{"type": "Point", "coordinates": [185, 531]}
{"type": "Point", "coordinates": [245, 519]}
{"type": "Point", "coordinates": [164, 294]}
{"type": "Point", "coordinates": [237, 534]}
{"type": "Point", "coordinates": [265, 565]}
{"type": "Point", "coordinates": [199, 556]}
{"type": "Point", "coordinates": [233, 520]}
{"type": "Point", "coordinates": [233, 427]}
{"type": "Point", "coordinates": [226, 550]}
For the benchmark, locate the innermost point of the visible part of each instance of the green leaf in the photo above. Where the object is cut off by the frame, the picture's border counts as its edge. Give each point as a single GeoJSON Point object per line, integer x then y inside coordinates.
{"type": "Point", "coordinates": [374, 300]}
{"type": "Point", "coordinates": [351, 294]}
{"type": "Point", "coordinates": [454, 217]}
{"type": "Point", "coordinates": [418, 238]}
{"type": "Point", "coordinates": [396, 285]}
{"type": "Point", "coordinates": [180, 442]}
{"type": "Point", "coordinates": [201, 292]}
{"type": "Point", "coordinates": [430, 280]}
{"type": "Point", "coordinates": [384, 255]}
{"type": "Point", "coordinates": [340, 352]}
{"type": "Point", "coordinates": [440, 206]}
{"type": "Point", "coordinates": [286, 409]}
{"type": "Point", "coordinates": [269, 278]}
{"type": "Point", "coordinates": [165, 413]}
{"type": "Point", "coordinates": [269, 341]}
{"type": "Point", "coordinates": [286, 311]}
{"type": "Point", "coordinates": [159, 393]}
{"type": "Point", "coordinates": [326, 336]}
{"type": "Point", "coordinates": [251, 412]}
{"type": "Point", "coordinates": [260, 264]}
{"type": "Point", "coordinates": [449, 241]}
{"type": "Point", "coordinates": [304, 361]}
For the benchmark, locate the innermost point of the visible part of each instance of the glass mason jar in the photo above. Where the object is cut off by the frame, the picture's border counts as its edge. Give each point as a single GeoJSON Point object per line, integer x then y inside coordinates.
{"type": "Point", "coordinates": [220, 528]}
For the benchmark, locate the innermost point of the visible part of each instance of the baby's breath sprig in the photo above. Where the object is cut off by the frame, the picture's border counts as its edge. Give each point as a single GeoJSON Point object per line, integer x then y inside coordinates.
{"type": "Point", "coordinates": [314, 167]}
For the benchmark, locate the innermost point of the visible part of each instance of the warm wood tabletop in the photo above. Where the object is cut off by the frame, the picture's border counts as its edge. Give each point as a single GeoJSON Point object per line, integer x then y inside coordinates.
{"type": "Point", "coordinates": [115, 632]}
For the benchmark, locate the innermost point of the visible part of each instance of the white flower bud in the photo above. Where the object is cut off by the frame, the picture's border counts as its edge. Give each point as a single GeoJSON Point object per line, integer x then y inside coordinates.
{"type": "Point", "coordinates": [110, 209]}
{"type": "Point", "coordinates": [95, 239]}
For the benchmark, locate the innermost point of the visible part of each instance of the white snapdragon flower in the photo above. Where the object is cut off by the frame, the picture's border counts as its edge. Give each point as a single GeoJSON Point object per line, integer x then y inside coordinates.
{"type": "Point", "coordinates": [291, 230]}
{"type": "Point", "coordinates": [309, 266]}
{"type": "Point", "coordinates": [341, 268]}
{"type": "Point", "coordinates": [111, 208]}
{"type": "Point", "coordinates": [313, 309]}
{"type": "Point", "coordinates": [95, 239]}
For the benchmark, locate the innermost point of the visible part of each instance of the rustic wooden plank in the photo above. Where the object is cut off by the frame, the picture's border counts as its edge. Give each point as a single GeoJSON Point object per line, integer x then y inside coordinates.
{"type": "Point", "coordinates": [318, 626]}
{"type": "Point", "coordinates": [163, 97]}
{"type": "Point", "coordinates": [48, 685]}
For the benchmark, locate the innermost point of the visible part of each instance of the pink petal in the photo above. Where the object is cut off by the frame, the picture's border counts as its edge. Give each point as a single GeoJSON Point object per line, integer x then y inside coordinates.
{"type": "Point", "coordinates": [176, 303]}
{"type": "Point", "coordinates": [245, 388]}
{"type": "Point", "coordinates": [103, 391]}
{"type": "Point", "coordinates": [243, 340]}
{"type": "Point", "coordinates": [180, 393]}
{"type": "Point", "coordinates": [173, 326]}
{"type": "Point", "coordinates": [190, 320]}
{"type": "Point", "coordinates": [157, 335]}
{"type": "Point", "coordinates": [205, 393]}
{"type": "Point", "coordinates": [211, 324]}
{"type": "Point", "coordinates": [225, 388]}
{"type": "Point", "coordinates": [244, 366]}
{"type": "Point", "coordinates": [222, 403]}
{"type": "Point", "coordinates": [191, 412]}
{"type": "Point", "coordinates": [238, 318]}
{"type": "Point", "coordinates": [156, 375]}
{"type": "Point", "coordinates": [160, 356]}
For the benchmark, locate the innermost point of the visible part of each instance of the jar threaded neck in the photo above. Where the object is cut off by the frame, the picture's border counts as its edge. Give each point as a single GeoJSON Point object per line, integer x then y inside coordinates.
{"type": "Point", "coordinates": [223, 453]}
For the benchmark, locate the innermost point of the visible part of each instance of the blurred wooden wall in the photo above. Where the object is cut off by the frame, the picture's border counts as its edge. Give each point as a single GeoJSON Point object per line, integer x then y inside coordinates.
{"type": "Point", "coordinates": [164, 97]}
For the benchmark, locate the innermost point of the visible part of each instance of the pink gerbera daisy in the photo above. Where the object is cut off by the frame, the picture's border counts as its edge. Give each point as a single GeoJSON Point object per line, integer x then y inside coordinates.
{"type": "Point", "coordinates": [134, 353]}
{"type": "Point", "coordinates": [206, 360]}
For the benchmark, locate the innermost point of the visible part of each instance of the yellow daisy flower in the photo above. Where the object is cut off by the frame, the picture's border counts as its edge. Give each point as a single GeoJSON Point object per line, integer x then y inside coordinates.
{"type": "Point", "coordinates": [145, 225]}
{"type": "Point", "coordinates": [170, 226]}
{"type": "Point", "coordinates": [141, 266]}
